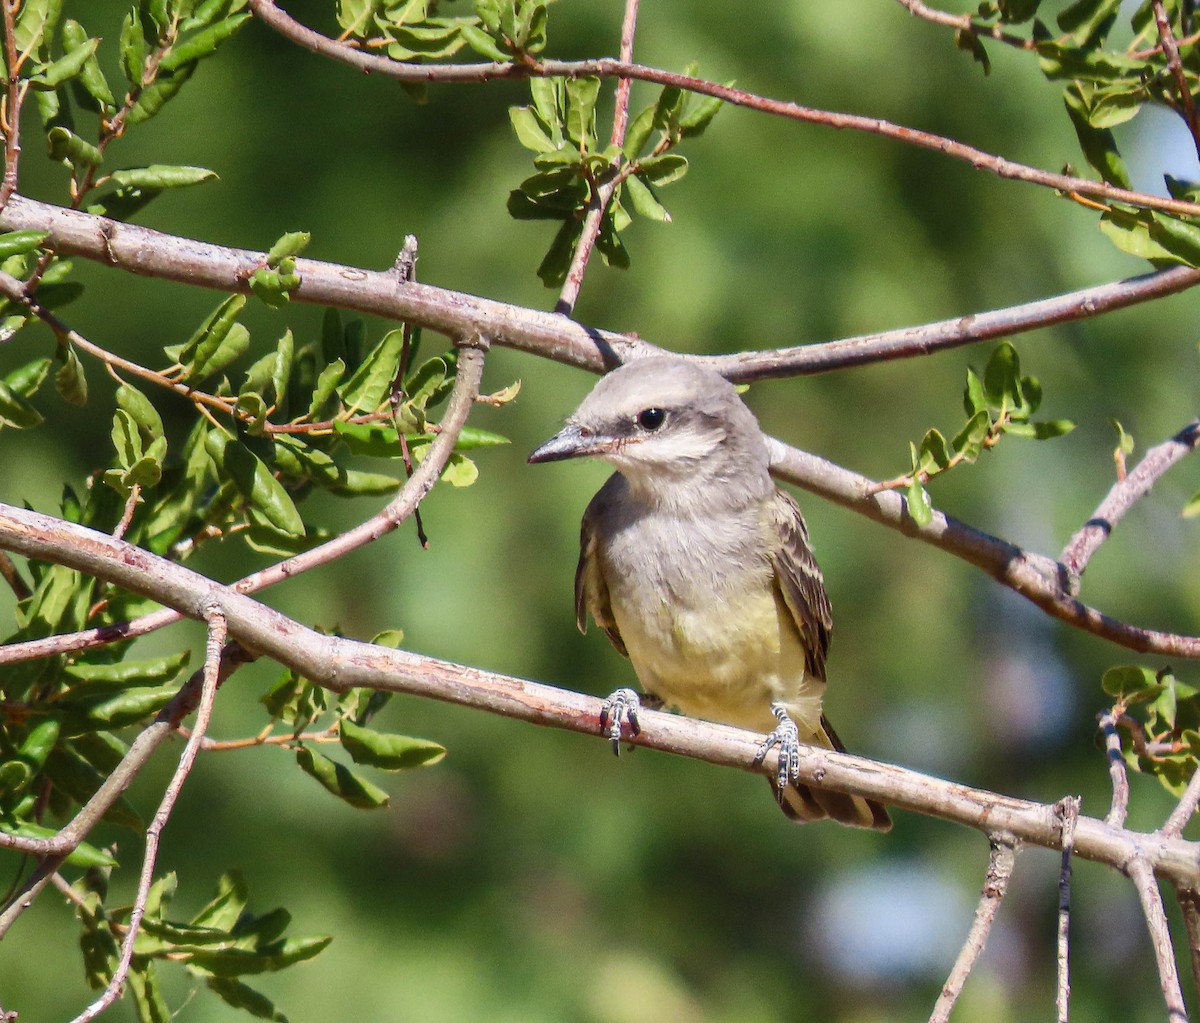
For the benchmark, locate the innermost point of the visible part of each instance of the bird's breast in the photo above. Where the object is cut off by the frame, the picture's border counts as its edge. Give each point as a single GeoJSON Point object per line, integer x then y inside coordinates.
{"type": "Point", "coordinates": [700, 615]}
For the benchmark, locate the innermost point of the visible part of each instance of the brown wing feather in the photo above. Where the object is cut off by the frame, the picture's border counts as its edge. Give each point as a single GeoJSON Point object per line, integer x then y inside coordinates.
{"type": "Point", "coordinates": [591, 591]}
{"type": "Point", "coordinates": [799, 580]}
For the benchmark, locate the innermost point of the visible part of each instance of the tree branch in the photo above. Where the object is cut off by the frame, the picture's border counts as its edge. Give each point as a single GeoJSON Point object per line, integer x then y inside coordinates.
{"type": "Point", "coordinates": [1123, 495]}
{"type": "Point", "coordinates": [208, 694]}
{"type": "Point", "coordinates": [146, 252]}
{"type": "Point", "coordinates": [1001, 858]}
{"type": "Point", "coordinates": [340, 664]}
{"type": "Point", "coordinates": [468, 375]}
{"type": "Point", "coordinates": [1142, 876]}
{"type": "Point", "coordinates": [1116, 770]}
{"type": "Point", "coordinates": [606, 67]}
{"type": "Point", "coordinates": [965, 23]}
{"type": "Point", "coordinates": [1068, 814]}
{"type": "Point", "coordinates": [602, 193]}
{"type": "Point", "coordinates": [1039, 579]}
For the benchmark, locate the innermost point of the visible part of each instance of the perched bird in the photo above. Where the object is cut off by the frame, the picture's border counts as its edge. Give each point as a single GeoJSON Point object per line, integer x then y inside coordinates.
{"type": "Point", "coordinates": [699, 568]}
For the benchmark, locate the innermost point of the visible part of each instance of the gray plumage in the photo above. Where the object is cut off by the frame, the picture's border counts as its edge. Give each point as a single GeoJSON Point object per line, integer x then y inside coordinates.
{"type": "Point", "coordinates": [697, 567]}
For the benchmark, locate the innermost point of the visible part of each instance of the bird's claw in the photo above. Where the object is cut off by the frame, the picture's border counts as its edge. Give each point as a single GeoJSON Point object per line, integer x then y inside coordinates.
{"type": "Point", "coordinates": [621, 707]}
{"type": "Point", "coordinates": [787, 737]}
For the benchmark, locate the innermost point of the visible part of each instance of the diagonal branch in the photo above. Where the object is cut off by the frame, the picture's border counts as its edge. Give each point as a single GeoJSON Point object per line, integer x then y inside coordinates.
{"type": "Point", "coordinates": [606, 67]}
{"type": "Point", "coordinates": [146, 252]}
{"type": "Point", "coordinates": [1068, 814]}
{"type": "Point", "coordinates": [602, 193]}
{"type": "Point", "coordinates": [1001, 858]}
{"type": "Point", "coordinates": [1124, 495]}
{"type": "Point", "coordinates": [1039, 579]}
{"type": "Point", "coordinates": [468, 376]}
{"type": "Point", "coordinates": [1142, 875]}
{"type": "Point", "coordinates": [341, 664]}
{"type": "Point", "coordinates": [208, 694]}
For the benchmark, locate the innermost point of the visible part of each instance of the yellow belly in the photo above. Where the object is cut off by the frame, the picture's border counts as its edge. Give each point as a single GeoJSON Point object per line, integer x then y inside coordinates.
{"type": "Point", "coordinates": [724, 661]}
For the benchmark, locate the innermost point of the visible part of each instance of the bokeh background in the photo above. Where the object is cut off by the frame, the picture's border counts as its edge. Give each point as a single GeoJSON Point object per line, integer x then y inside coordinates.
{"type": "Point", "coordinates": [531, 876]}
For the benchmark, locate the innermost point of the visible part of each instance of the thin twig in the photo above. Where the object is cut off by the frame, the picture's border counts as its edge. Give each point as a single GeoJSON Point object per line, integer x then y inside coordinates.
{"type": "Point", "coordinates": [131, 503]}
{"type": "Point", "coordinates": [212, 674]}
{"type": "Point", "coordinates": [1184, 809]}
{"type": "Point", "coordinates": [1170, 50]}
{"type": "Point", "coordinates": [1001, 857]}
{"type": "Point", "coordinates": [14, 100]}
{"type": "Point", "coordinates": [1123, 495]}
{"type": "Point", "coordinates": [606, 67]}
{"type": "Point", "coordinates": [1189, 903]}
{"type": "Point", "coordinates": [462, 399]}
{"type": "Point", "coordinates": [965, 23]}
{"type": "Point", "coordinates": [1068, 813]}
{"type": "Point", "coordinates": [1116, 769]}
{"type": "Point", "coordinates": [11, 576]}
{"type": "Point", "coordinates": [1141, 873]}
{"type": "Point", "coordinates": [604, 190]}
{"type": "Point", "coordinates": [405, 269]}
{"type": "Point", "coordinates": [53, 851]}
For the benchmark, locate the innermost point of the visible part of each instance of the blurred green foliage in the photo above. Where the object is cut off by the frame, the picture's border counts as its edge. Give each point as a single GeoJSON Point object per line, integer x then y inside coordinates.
{"type": "Point", "coordinates": [528, 875]}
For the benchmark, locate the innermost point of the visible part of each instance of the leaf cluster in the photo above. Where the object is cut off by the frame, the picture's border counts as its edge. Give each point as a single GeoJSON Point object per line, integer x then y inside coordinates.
{"type": "Point", "coordinates": [1160, 716]}
{"type": "Point", "coordinates": [218, 946]}
{"type": "Point", "coordinates": [1107, 86]}
{"type": "Point", "coordinates": [997, 402]}
{"type": "Point", "coordinates": [559, 127]}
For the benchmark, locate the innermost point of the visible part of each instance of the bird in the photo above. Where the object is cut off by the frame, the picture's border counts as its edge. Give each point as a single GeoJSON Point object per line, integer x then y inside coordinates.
{"type": "Point", "coordinates": [699, 569]}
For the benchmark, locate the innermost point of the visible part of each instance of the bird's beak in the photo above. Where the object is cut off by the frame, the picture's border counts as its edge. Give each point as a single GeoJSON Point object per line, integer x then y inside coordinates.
{"type": "Point", "coordinates": [571, 442]}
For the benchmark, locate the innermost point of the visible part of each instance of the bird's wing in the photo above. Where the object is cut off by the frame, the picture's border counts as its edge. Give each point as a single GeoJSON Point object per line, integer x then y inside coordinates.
{"type": "Point", "coordinates": [591, 591]}
{"type": "Point", "coordinates": [800, 582]}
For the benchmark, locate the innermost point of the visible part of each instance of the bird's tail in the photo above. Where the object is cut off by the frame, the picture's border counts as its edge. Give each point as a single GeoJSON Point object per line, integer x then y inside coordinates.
{"type": "Point", "coordinates": [804, 803]}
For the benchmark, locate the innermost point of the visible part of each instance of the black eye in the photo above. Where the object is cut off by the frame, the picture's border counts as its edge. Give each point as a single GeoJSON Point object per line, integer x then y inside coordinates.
{"type": "Point", "coordinates": [651, 418]}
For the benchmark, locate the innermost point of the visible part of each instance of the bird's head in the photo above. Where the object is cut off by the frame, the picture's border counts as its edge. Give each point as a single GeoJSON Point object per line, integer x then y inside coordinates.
{"type": "Point", "coordinates": [662, 419]}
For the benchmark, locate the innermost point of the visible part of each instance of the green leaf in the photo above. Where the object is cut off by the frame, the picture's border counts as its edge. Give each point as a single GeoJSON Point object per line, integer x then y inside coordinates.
{"type": "Point", "coordinates": [552, 270]}
{"type": "Point", "coordinates": [1098, 145]}
{"type": "Point", "coordinates": [662, 170]}
{"type": "Point", "coordinates": [1131, 683]}
{"type": "Point", "coordinates": [148, 999]}
{"type": "Point", "coordinates": [16, 243]}
{"type": "Point", "coordinates": [460, 471]}
{"type": "Point", "coordinates": [387, 752]}
{"type": "Point", "coordinates": [76, 778]}
{"type": "Point", "coordinates": [255, 482]}
{"type": "Point", "coordinates": [235, 962]}
{"type": "Point", "coordinates": [700, 114]}
{"type": "Point", "coordinates": [529, 130]}
{"type": "Point", "coordinates": [1045, 429]}
{"type": "Point", "coordinates": [158, 93]}
{"type": "Point", "coordinates": [152, 671]}
{"type": "Point", "coordinates": [582, 94]}
{"type": "Point", "coordinates": [84, 855]}
{"type": "Point", "coordinates": [223, 911]}
{"type": "Point", "coordinates": [111, 708]}
{"type": "Point", "coordinates": [162, 176]}
{"type": "Point", "coordinates": [971, 43]}
{"type": "Point", "coordinates": [1124, 440]}
{"type": "Point", "coordinates": [340, 780]}
{"type": "Point", "coordinates": [371, 382]}
{"type": "Point", "coordinates": [240, 996]}
{"type": "Point", "coordinates": [917, 500]}
{"type": "Point", "coordinates": [643, 200]}
{"type": "Point", "coordinates": [69, 148]}
{"type": "Point", "coordinates": [70, 381]}
{"type": "Point", "coordinates": [1001, 378]}
{"type": "Point", "coordinates": [324, 399]}
{"type": "Point", "coordinates": [67, 67]}
{"type": "Point", "coordinates": [203, 44]}
{"type": "Point", "coordinates": [291, 244]}
{"type": "Point", "coordinates": [140, 410]}
{"type": "Point", "coordinates": [1088, 20]}
{"type": "Point", "coordinates": [91, 79]}
{"type": "Point", "coordinates": [15, 411]}
{"type": "Point", "coordinates": [133, 49]}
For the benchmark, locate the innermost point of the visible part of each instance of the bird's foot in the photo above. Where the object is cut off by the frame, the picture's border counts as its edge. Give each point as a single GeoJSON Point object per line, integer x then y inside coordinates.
{"type": "Point", "coordinates": [787, 737]}
{"type": "Point", "coordinates": [620, 708]}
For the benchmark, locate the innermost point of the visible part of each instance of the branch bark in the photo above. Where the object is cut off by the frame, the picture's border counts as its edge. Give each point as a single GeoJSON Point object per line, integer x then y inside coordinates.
{"type": "Point", "coordinates": [1001, 858]}
{"type": "Point", "coordinates": [340, 664]}
{"type": "Point", "coordinates": [606, 67]}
